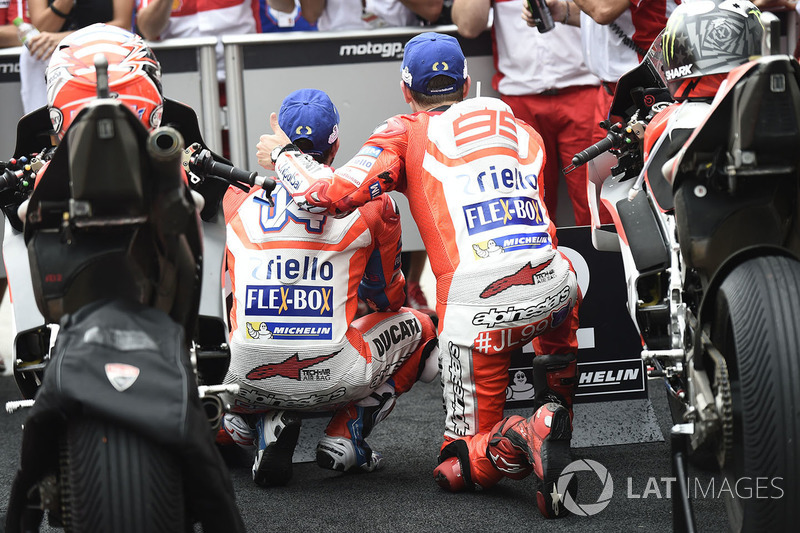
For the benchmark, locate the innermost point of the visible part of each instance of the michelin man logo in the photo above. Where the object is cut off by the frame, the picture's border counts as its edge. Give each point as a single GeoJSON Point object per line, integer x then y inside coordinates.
{"type": "Point", "coordinates": [407, 77]}
{"type": "Point", "coordinates": [492, 248]}
{"type": "Point", "coordinates": [261, 333]}
{"type": "Point", "coordinates": [585, 509]}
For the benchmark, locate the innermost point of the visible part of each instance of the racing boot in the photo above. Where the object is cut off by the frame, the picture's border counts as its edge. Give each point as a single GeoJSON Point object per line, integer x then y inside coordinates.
{"type": "Point", "coordinates": [277, 433]}
{"type": "Point", "coordinates": [481, 460]}
{"type": "Point", "coordinates": [555, 379]}
{"type": "Point", "coordinates": [236, 430]}
{"type": "Point", "coordinates": [343, 447]}
{"type": "Point", "coordinates": [544, 438]}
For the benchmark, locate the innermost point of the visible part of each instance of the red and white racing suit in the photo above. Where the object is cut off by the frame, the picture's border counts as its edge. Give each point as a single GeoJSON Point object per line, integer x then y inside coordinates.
{"type": "Point", "coordinates": [296, 278]}
{"type": "Point", "coordinates": [472, 175]}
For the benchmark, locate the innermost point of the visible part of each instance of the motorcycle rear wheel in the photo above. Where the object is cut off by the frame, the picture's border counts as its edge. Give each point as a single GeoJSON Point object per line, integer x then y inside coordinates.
{"type": "Point", "coordinates": [755, 328]}
{"type": "Point", "coordinates": [113, 479]}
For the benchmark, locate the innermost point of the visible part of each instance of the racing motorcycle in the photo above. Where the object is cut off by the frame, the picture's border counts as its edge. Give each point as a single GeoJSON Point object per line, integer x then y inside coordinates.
{"type": "Point", "coordinates": [704, 200]}
{"type": "Point", "coordinates": [121, 357]}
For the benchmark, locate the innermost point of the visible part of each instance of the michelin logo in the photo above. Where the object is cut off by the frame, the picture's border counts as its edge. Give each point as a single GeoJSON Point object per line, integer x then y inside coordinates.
{"type": "Point", "coordinates": [265, 331]}
{"type": "Point", "coordinates": [510, 243]}
{"type": "Point", "coordinates": [370, 48]}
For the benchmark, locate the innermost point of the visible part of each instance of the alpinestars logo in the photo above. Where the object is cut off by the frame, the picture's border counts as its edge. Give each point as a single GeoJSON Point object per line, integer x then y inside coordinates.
{"type": "Point", "coordinates": [290, 368]}
{"type": "Point", "coordinates": [509, 468]}
{"type": "Point", "coordinates": [527, 275]}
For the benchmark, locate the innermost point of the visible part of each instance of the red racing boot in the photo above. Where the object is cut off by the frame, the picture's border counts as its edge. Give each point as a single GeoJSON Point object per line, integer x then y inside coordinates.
{"type": "Point", "coordinates": [545, 439]}
{"type": "Point", "coordinates": [488, 458]}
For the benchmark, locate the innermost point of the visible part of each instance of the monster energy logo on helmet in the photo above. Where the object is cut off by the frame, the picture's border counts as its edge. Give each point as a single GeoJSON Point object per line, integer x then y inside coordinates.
{"type": "Point", "coordinates": [710, 37]}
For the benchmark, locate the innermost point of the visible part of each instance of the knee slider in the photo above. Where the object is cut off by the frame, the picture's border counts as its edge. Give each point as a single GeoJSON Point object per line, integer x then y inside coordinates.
{"type": "Point", "coordinates": [429, 362]}
{"type": "Point", "coordinates": [452, 473]}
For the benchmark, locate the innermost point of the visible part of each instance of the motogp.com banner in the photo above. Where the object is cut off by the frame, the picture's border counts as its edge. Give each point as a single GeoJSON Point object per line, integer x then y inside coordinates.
{"type": "Point", "coordinates": [609, 361]}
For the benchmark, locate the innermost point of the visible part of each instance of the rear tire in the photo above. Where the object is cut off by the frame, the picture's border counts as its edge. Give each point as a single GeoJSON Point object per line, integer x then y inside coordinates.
{"type": "Point", "coordinates": [756, 329]}
{"type": "Point", "coordinates": [113, 479]}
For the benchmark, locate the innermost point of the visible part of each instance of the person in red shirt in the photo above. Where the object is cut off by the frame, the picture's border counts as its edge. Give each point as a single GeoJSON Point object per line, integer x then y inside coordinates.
{"type": "Point", "coordinates": [472, 174]}
{"type": "Point", "coordinates": [8, 32]}
{"type": "Point", "coordinates": [616, 35]}
{"type": "Point", "coordinates": [295, 342]}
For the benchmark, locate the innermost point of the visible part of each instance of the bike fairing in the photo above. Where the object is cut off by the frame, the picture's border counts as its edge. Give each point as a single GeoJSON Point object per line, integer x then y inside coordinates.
{"type": "Point", "coordinates": [163, 406]}
{"type": "Point", "coordinates": [464, 190]}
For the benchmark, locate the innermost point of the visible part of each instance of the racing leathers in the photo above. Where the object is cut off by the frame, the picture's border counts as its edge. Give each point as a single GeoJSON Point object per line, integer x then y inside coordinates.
{"type": "Point", "coordinates": [296, 277]}
{"type": "Point", "coordinates": [472, 176]}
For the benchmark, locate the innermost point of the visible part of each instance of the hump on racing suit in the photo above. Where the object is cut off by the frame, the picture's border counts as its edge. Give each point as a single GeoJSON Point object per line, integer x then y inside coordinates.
{"type": "Point", "coordinates": [296, 277]}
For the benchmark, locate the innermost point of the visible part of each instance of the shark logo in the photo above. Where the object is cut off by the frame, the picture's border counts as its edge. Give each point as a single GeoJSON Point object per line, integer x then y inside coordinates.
{"type": "Point", "coordinates": [290, 368]}
{"type": "Point", "coordinates": [524, 276]}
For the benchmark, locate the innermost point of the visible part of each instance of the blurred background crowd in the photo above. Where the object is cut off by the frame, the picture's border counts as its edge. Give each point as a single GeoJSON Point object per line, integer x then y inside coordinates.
{"type": "Point", "coordinates": [560, 82]}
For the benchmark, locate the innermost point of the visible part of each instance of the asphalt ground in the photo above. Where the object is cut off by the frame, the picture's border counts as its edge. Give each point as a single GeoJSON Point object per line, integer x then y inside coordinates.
{"type": "Point", "coordinates": [403, 496]}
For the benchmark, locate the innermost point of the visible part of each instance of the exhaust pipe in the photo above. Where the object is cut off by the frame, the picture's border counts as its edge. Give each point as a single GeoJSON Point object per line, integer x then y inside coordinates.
{"type": "Point", "coordinates": [165, 148]}
{"type": "Point", "coordinates": [214, 409]}
{"type": "Point", "coordinates": [165, 145]}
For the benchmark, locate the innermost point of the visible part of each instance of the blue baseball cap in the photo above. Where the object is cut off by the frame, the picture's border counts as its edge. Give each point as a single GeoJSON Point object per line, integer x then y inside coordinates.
{"type": "Point", "coordinates": [310, 114]}
{"type": "Point", "coordinates": [431, 54]}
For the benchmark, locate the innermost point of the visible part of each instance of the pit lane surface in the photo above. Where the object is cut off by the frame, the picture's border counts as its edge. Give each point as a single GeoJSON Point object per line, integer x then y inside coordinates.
{"type": "Point", "coordinates": [404, 498]}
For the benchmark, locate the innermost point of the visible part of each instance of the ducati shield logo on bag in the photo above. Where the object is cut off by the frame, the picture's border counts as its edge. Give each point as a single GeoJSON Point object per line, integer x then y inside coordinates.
{"type": "Point", "coordinates": [121, 376]}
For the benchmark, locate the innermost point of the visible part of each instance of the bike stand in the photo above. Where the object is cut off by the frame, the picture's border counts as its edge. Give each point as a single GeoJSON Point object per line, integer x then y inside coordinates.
{"type": "Point", "coordinates": [682, 512]}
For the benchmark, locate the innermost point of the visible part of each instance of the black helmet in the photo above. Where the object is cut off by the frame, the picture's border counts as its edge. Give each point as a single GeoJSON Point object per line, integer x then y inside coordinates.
{"type": "Point", "coordinates": [706, 39]}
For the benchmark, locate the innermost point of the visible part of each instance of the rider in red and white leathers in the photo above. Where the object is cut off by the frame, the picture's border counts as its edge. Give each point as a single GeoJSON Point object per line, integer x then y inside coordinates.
{"type": "Point", "coordinates": [296, 280]}
{"type": "Point", "coordinates": [295, 343]}
{"type": "Point", "coordinates": [472, 176]}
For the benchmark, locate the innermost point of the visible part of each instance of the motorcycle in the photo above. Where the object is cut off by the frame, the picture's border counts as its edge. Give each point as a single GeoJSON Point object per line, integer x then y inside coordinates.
{"type": "Point", "coordinates": [704, 201]}
{"type": "Point", "coordinates": [121, 358]}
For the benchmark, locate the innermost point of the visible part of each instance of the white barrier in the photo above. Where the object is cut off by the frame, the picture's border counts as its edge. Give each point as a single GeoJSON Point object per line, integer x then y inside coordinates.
{"type": "Point", "coordinates": [188, 75]}
{"type": "Point", "coordinates": [189, 69]}
{"type": "Point", "coordinates": [360, 71]}
{"type": "Point", "coordinates": [11, 109]}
